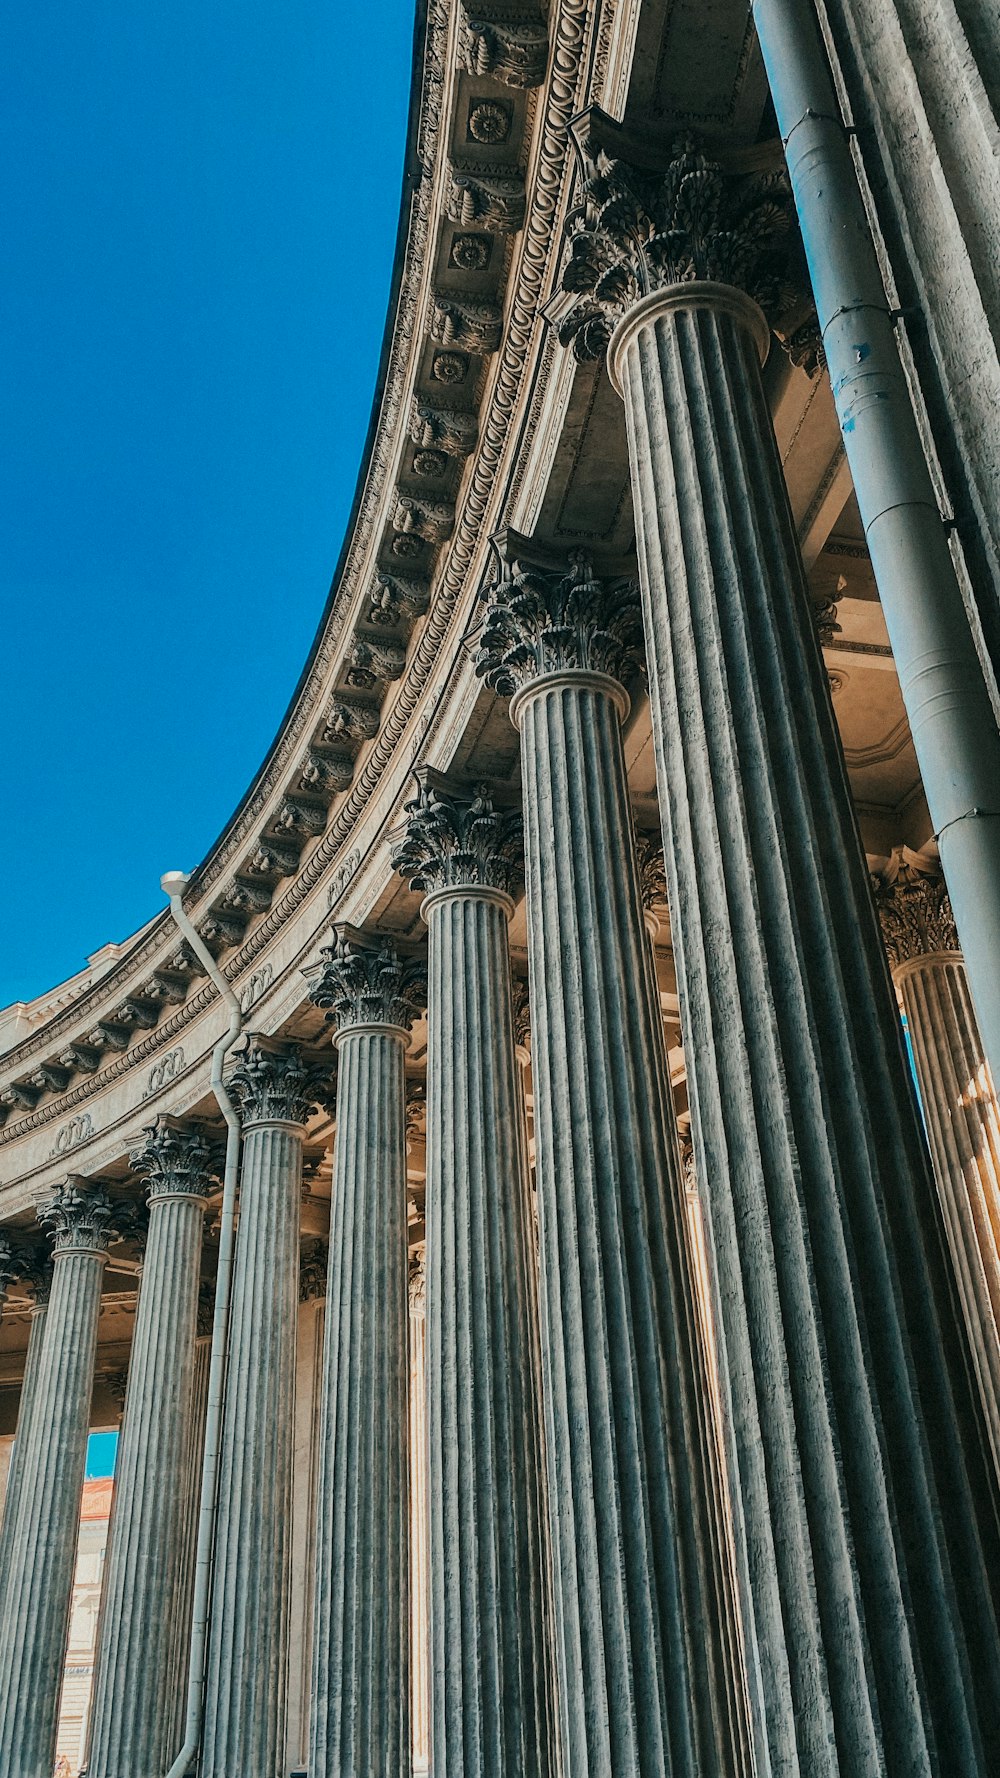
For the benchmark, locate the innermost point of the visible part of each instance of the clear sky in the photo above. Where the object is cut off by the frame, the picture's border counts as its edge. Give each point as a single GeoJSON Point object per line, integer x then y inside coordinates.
{"type": "Point", "coordinates": [198, 232]}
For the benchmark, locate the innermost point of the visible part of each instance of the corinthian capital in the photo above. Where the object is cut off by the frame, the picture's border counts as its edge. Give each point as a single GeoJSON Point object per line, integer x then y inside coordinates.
{"type": "Point", "coordinates": [363, 981]}
{"type": "Point", "coordinates": [914, 911]}
{"type": "Point", "coordinates": [558, 620]}
{"type": "Point", "coordinates": [80, 1217]}
{"type": "Point", "coordinates": [640, 229]}
{"type": "Point", "coordinates": [176, 1159]}
{"type": "Point", "coordinates": [10, 1267]}
{"type": "Point", "coordinates": [275, 1081]}
{"type": "Point", "coordinates": [456, 838]}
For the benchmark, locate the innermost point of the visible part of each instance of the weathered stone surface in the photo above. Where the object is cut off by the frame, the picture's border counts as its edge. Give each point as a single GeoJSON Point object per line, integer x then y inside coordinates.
{"type": "Point", "coordinates": [42, 1551]}
{"type": "Point", "coordinates": [961, 1115]}
{"type": "Point", "coordinates": [866, 1521]}
{"type": "Point", "coordinates": [360, 1703]}
{"type": "Point", "coordinates": [133, 1715]}
{"type": "Point", "coordinates": [15, 1473]}
{"type": "Point", "coordinates": [646, 1642]}
{"type": "Point", "coordinates": [248, 1639]}
{"type": "Point", "coordinates": [490, 1711]}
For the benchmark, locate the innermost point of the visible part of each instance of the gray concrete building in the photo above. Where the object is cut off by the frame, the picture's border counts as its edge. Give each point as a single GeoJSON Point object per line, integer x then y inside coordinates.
{"type": "Point", "coordinates": [538, 1182]}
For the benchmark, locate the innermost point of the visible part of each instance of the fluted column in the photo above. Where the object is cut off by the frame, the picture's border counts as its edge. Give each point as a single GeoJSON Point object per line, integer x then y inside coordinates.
{"type": "Point", "coordinates": [961, 1114]}
{"type": "Point", "coordinates": [361, 1677]}
{"type": "Point", "coordinates": [866, 1513]}
{"type": "Point", "coordinates": [37, 1271]}
{"type": "Point", "coordinates": [194, 1451]}
{"type": "Point", "coordinates": [488, 1683]}
{"type": "Point", "coordinates": [246, 1685]}
{"type": "Point", "coordinates": [133, 1720]}
{"type": "Point", "coordinates": [42, 1560]}
{"type": "Point", "coordinates": [646, 1644]}
{"type": "Point", "coordinates": [420, 1685]}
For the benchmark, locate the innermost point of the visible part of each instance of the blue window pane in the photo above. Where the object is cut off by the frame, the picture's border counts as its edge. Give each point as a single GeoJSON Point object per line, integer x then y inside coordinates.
{"type": "Point", "coordinates": [102, 1448]}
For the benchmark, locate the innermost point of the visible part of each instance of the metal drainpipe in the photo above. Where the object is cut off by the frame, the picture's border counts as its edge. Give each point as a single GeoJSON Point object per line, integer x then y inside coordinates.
{"type": "Point", "coordinates": [951, 717]}
{"type": "Point", "coordinates": [173, 885]}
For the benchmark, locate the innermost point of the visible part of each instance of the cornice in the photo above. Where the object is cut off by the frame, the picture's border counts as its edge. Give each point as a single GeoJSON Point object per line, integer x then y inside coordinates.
{"type": "Point", "coordinates": [416, 704]}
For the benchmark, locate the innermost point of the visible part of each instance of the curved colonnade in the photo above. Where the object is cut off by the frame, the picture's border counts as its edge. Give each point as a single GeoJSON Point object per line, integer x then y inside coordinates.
{"type": "Point", "coordinates": [691, 1467]}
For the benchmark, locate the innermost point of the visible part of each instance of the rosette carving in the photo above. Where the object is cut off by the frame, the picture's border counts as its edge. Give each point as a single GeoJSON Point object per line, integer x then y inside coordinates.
{"type": "Point", "coordinates": [176, 1158]}
{"type": "Point", "coordinates": [558, 620]}
{"type": "Point", "coordinates": [457, 838]}
{"type": "Point", "coordinates": [638, 230]}
{"type": "Point", "coordinates": [362, 981]}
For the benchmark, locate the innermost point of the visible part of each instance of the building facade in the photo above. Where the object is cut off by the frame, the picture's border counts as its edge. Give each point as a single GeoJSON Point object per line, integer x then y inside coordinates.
{"type": "Point", "coordinates": [548, 1331]}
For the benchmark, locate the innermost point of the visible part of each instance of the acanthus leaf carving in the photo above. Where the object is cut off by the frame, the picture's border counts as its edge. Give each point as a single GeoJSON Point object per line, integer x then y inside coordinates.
{"type": "Point", "coordinates": [365, 981]}
{"type": "Point", "coordinates": [693, 220]}
{"type": "Point", "coordinates": [278, 1081]}
{"type": "Point", "coordinates": [472, 327]}
{"type": "Point", "coordinates": [433, 520]}
{"type": "Point", "coordinates": [374, 664]}
{"type": "Point", "coordinates": [489, 200]}
{"type": "Point", "coordinates": [515, 53]}
{"type": "Point", "coordinates": [544, 620]}
{"type": "Point", "coordinates": [914, 909]}
{"type": "Point", "coordinates": [456, 837]}
{"type": "Point", "coordinates": [177, 1158]}
{"type": "Point", "coordinates": [397, 600]}
{"type": "Point", "coordinates": [447, 429]}
{"type": "Point", "coordinates": [353, 720]}
{"type": "Point", "coordinates": [80, 1216]}
{"type": "Point", "coordinates": [327, 771]}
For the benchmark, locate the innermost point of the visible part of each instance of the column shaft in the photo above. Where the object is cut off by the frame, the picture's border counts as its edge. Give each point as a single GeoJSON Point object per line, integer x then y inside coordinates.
{"type": "Point", "coordinates": [488, 1679]}
{"type": "Point", "coordinates": [646, 1643]}
{"type": "Point", "coordinates": [420, 1727]}
{"type": "Point", "coordinates": [962, 1121]}
{"type": "Point", "coordinates": [248, 1634]}
{"type": "Point", "coordinates": [866, 1516]}
{"type": "Point", "coordinates": [194, 1452]}
{"type": "Point", "coordinates": [15, 1474]}
{"type": "Point", "coordinates": [42, 1560]}
{"type": "Point", "coordinates": [134, 1711]}
{"type": "Point", "coordinates": [360, 1703]}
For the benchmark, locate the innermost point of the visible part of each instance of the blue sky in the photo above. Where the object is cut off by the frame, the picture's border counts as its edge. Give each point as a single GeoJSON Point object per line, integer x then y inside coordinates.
{"type": "Point", "coordinates": [198, 231]}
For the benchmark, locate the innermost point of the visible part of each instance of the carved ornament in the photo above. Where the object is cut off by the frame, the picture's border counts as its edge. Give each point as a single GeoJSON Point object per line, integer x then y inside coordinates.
{"type": "Point", "coordinates": [80, 1218]}
{"type": "Point", "coordinates": [558, 620]}
{"type": "Point", "coordinates": [914, 910]}
{"type": "Point", "coordinates": [176, 1159]}
{"type": "Point", "coordinates": [277, 1082]}
{"type": "Point", "coordinates": [691, 220]}
{"type": "Point", "coordinates": [457, 838]}
{"type": "Point", "coordinates": [364, 981]}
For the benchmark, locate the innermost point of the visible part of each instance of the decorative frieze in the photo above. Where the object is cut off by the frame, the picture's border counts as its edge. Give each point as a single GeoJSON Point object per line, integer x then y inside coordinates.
{"type": "Point", "coordinates": [331, 772]}
{"type": "Point", "coordinates": [554, 620]}
{"type": "Point", "coordinates": [457, 837]}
